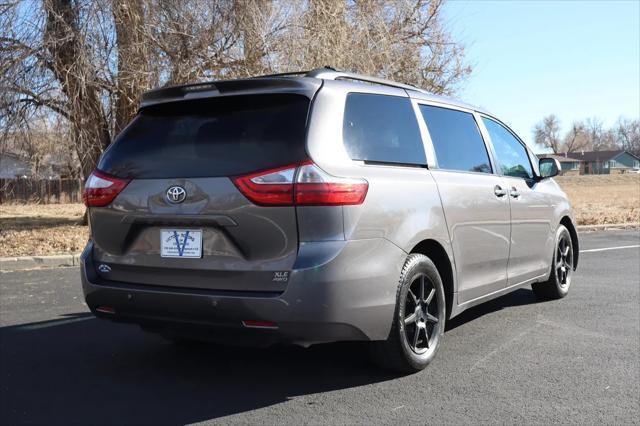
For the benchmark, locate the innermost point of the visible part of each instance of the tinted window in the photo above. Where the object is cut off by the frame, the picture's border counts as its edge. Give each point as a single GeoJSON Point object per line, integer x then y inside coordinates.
{"type": "Point", "coordinates": [456, 140]}
{"type": "Point", "coordinates": [511, 154]}
{"type": "Point", "coordinates": [211, 137]}
{"type": "Point", "coordinates": [382, 128]}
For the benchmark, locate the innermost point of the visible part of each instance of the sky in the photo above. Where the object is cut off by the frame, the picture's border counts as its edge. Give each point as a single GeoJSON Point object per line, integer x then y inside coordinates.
{"type": "Point", "coordinates": [576, 59]}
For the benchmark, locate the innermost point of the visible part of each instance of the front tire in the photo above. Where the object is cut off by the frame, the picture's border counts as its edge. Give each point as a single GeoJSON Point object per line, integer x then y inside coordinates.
{"type": "Point", "coordinates": [557, 286]}
{"type": "Point", "coordinates": [419, 319]}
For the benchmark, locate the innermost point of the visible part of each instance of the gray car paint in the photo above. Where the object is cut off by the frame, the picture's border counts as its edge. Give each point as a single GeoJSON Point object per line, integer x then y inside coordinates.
{"type": "Point", "coordinates": [243, 244]}
{"type": "Point", "coordinates": [343, 263]}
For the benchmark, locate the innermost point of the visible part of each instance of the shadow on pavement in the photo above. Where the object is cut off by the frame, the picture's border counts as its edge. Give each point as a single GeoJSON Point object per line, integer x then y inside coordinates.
{"type": "Point", "coordinates": [82, 370]}
{"type": "Point", "coordinates": [86, 371]}
{"type": "Point", "coordinates": [520, 297]}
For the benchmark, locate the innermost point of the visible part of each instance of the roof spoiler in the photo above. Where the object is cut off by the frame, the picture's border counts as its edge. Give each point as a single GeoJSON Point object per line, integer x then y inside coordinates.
{"type": "Point", "coordinates": [264, 83]}
{"type": "Point", "coordinates": [249, 86]}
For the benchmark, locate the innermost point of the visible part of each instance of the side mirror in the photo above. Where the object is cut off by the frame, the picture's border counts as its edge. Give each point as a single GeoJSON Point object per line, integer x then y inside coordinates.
{"type": "Point", "coordinates": [549, 167]}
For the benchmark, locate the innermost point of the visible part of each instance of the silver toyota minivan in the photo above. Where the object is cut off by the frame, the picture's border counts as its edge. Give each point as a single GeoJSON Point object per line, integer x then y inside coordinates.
{"type": "Point", "coordinates": [316, 207]}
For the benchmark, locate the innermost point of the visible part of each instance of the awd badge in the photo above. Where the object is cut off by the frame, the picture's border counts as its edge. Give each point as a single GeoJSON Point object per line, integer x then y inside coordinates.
{"type": "Point", "coordinates": [281, 277]}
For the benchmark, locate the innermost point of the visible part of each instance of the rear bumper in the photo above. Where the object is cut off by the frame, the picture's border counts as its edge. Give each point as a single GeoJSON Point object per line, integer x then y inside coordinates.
{"type": "Point", "coordinates": [338, 290]}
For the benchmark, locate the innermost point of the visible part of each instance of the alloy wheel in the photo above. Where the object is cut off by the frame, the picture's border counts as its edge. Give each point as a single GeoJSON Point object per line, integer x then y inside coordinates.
{"type": "Point", "coordinates": [421, 324]}
{"type": "Point", "coordinates": [564, 261]}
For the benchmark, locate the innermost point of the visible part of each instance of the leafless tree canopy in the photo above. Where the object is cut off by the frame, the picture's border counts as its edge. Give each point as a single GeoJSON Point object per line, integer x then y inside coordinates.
{"type": "Point", "coordinates": [85, 63]}
{"type": "Point", "coordinates": [627, 133]}
{"type": "Point", "coordinates": [547, 133]}
{"type": "Point", "coordinates": [589, 134]}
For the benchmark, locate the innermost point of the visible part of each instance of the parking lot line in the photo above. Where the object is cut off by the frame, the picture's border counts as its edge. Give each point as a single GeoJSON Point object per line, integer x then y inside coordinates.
{"type": "Point", "coordinates": [609, 248]}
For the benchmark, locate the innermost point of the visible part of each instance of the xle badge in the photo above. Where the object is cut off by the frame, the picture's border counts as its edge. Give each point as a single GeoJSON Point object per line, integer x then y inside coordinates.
{"type": "Point", "coordinates": [281, 277]}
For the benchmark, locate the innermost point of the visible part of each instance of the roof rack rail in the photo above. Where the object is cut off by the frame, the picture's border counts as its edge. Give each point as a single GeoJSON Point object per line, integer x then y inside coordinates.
{"type": "Point", "coordinates": [333, 74]}
{"type": "Point", "coordinates": [330, 73]}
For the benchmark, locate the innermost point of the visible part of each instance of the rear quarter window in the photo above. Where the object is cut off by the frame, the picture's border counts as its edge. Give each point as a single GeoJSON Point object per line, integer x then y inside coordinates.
{"type": "Point", "coordinates": [383, 129]}
{"type": "Point", "coordinates": [213, 137]}
{"type": "Point", "coordinates": [456, 140]}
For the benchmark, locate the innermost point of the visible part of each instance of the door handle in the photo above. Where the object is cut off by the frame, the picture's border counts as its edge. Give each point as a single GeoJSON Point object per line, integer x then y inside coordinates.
{"type": "Point", "coordinates": [514, 192]}
{"type": "Point", "coordinates": [499, 191]}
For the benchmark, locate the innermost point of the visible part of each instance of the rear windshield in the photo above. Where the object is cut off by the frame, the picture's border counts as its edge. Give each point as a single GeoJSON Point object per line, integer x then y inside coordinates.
{"type": "Point", "coordinates": [211, 137]}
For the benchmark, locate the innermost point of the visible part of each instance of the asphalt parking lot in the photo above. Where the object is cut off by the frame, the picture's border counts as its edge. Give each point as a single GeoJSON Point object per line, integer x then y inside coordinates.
{"type": "Point", "coordinates": [513, 360]}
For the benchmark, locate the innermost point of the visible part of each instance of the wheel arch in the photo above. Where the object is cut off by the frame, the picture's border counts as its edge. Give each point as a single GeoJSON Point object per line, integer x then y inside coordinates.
{"type": "Point", "coordinates": [438, 255]}
{"type": "Point", "coordinates": [568, 223]}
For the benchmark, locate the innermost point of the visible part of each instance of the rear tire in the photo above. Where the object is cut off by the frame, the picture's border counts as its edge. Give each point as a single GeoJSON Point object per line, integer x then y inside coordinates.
{"type": "Point", "coordinates": [557, 286]}
{"type": "Point", "coordinates": [419, 319]}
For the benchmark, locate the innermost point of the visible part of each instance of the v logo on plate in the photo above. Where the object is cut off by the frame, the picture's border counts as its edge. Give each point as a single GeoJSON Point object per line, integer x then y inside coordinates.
{"type": "Point", "coordinates": [179, 246]}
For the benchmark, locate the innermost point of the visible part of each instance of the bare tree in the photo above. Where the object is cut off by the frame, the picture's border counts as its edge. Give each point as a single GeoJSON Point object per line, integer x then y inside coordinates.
{"type": "Point", "coordinates": [404, 40]}
{"type": "Point", "coordinates": [134, 70]}
{"type": "Point", "coordinates": [71, 64]}
{"type": "Point", "coordinates": [547, 133]}
{"type": "Point", "coordinates": [599, 137]}
{"type": "Point", "coordinates": [86, 63]}
{"type": "Point", "coordinates": [628, 134]}
{"type": "Point", "coordinates": [43, 144]}
{"type": "Point", "coordinates": [577, 138]}
{"type": "Point", "coordinates": [256, 26]}
{"type": "Point", "coordinates": [589, 134]}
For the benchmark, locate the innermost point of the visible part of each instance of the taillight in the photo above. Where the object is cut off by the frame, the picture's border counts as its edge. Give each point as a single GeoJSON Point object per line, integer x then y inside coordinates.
{"type": "Point", "coordinates": [259, 324]}
{"type": "Point", "coordinates": [101, 189]}
{"type": "Point", "coordinates": [302, 185]}
{"type": "Point", "coordinates": [315, 187]}
{"type": "Point", "coordinates": [106, 310]}
{"type": "Point", "coordinates": [273, 187]}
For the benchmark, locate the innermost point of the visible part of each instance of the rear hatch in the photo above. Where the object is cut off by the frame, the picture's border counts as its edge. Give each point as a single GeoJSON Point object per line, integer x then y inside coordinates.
{"type": "Point", "coordinates": [181, 221]}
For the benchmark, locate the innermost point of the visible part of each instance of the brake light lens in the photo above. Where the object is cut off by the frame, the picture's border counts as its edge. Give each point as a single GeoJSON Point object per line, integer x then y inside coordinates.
{"type": "Point", "coordinates": [303, 184]}
{"type": "Point", "coordinates": [106, 310]}
{"type": "Point", "coordinates": [101, 189]}
{"type": "Point", "coordinates": [273, 187]}
{"type": "Point", "coordinates": [315, 187]}
{"type": "Point", "coordinates": [259, 324]}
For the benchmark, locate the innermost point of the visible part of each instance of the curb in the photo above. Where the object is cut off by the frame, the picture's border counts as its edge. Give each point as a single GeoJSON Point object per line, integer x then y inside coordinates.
{"type": "Point", "coordinates": [65, 260]}
{"type": "Point", "coordinates": [608, 227]}
{"type": "Point", "coordinates": [35, 262]}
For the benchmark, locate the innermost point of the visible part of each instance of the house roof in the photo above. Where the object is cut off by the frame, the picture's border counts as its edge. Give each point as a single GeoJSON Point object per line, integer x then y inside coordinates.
{"type": "Point", "coordinates": [560, 157]}
{"type": "Point", "coordinates": [12, 165]}
{"type": "Point", "coordinates": [571, 157]}
{"type": "Point", "coordinates": [595, 155]}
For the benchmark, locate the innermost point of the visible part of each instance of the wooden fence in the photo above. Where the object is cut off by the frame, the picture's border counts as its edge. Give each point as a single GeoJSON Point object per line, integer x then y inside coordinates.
{"type": "Point", "coordinates": [41, 191]}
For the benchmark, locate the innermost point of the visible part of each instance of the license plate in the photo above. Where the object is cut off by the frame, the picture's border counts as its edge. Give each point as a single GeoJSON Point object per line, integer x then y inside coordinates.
{"type": "Point", "coordinates": [181, 243]}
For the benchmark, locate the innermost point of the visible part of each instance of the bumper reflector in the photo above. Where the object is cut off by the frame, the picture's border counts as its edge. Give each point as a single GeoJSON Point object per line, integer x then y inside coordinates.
{"type": "Point", "coordinates": [259, 324]}
{"type": "Point", "coordinates": [105, 310]}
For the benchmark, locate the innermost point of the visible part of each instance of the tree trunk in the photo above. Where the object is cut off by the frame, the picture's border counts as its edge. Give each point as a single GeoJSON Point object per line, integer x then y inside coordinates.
{"type": "Point", "coordinates": [72, 67]}
{"type": "Point", "coordinates": [133, 59]}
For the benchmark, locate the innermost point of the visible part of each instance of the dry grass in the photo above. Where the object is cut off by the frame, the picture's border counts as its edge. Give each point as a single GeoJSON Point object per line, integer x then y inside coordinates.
{"type": "Point", "coordinates": [27, 230]}
{"type": "Point", "coordinates": [603, 199]}
{"type": "Point", "coordinates": [41, 211]}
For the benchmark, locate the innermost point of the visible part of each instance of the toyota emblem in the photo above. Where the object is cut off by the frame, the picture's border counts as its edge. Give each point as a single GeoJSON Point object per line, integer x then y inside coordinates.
{"type": "Point", "coordinates": [176, 194]}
